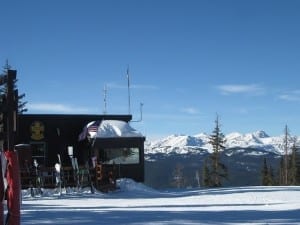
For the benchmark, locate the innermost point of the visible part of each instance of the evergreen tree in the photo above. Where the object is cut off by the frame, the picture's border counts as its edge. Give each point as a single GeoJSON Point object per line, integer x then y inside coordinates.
{"type": "Point", "coordinates": [288, 165]}
{"type": "Point", "coordinates": [292, 172]}
{"type": "Point", "coordinates": [286, 142]}
{"type": "Point", "coordinates": [3, 90]}
{"type": "Point", "coordinates": [218, 170]}
{"type": "Point", "coordinates": [265, 174]}
{"type": "Point", "coordinates": [205, 175]}
{"type": "Point", "coordinates": [281, 172]}
{"type": "Point", "coordinates": [297, 162]}
{"type": "Point", "coordinates": [271, 175]}
{"type": "Point", "coordinates": [178, 178]}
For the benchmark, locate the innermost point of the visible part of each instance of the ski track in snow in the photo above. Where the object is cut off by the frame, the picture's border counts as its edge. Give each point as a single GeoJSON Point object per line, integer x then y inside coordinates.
{"type": "Point", "coordinates": [137, 204]}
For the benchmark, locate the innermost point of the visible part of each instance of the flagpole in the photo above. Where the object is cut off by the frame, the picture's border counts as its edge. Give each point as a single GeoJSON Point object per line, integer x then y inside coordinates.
{"type": "Point", "coordinates": [128, 87]}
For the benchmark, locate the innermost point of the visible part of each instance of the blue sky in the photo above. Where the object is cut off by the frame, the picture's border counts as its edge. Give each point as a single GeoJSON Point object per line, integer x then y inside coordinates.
{"type": "Point", "coordinates": [188, 61]}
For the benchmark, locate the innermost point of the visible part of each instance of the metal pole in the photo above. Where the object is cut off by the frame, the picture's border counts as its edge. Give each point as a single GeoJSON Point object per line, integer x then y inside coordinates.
{"type": "Point", "coordinates": [105, 100]}
{"type": "Point", "coordinates": [128, 86]}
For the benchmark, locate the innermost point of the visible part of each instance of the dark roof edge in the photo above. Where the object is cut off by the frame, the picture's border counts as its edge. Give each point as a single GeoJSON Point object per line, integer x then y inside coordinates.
{"type": "Point", "coordinates": [124, 117]}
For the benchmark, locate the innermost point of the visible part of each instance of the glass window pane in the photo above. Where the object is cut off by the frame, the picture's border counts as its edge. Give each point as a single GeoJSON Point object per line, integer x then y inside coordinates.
{"type": "Point", "coordinates": [120, 156]}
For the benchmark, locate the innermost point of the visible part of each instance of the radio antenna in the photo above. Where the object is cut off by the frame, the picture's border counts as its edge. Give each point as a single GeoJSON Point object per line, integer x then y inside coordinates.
{"type": "Point", "coordinates": [128, 87]}
{"type": "Point", "coordinates": [141, 111]}
{"type": "Point", "coordinates": [104, 99]}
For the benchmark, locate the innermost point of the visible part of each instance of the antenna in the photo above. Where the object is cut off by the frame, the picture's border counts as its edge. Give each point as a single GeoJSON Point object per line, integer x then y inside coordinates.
{"type": "Point", "coordinates": [141, 111]}
{"type": "Point", "coordinates": [104, 99]}
{"type": "Point", "coordinates": [128, 86]}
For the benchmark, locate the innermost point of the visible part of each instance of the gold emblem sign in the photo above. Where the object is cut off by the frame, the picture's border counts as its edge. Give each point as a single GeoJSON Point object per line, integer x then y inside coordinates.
{"type": "Point", "coordinates": [37, 130]}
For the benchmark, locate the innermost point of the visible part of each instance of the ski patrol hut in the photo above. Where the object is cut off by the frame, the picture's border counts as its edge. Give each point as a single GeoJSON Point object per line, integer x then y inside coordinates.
{"type": "Point", "coordinates": [119, 145]}
{"type": "Point", "coordinates": [42, 137]}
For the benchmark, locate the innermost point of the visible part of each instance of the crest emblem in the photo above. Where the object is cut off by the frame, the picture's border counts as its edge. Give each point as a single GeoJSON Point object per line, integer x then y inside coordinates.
{"type": "Point", "coordinates": [37, 130]}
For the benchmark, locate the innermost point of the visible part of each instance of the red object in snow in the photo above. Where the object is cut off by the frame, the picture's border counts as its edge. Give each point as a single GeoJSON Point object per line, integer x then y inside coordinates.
{"type": "Point", "coordinates": [1, 193]}
{"type": "Point", "coordinates": [13, 188]}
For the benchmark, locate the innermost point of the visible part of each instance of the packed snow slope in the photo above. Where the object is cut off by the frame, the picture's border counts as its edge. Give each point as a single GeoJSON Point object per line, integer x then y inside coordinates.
{"type": "Point", "coordinates": [137, 204]}
{"type": "Point", "coordinates": [182, 144]}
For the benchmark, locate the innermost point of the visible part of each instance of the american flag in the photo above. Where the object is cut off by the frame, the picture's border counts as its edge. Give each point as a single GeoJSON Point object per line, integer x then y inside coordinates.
{"type": "Point", "coordinates": [93, 126]}
{"type": "Point", "coordinates": [89, 130]}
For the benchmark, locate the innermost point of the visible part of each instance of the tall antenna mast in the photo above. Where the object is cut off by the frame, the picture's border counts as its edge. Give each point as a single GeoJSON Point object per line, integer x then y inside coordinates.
{"type": "Point", "coordinates": [128, 86]}
{"type": "Point", "coordinates": [104, 98]}
{"type": "Point", "coordinates": [141, 111]}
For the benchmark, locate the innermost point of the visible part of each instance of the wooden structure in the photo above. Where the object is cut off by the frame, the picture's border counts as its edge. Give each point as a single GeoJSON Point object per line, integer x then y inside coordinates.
{"type": "Point", "coordinates": [42, 137]}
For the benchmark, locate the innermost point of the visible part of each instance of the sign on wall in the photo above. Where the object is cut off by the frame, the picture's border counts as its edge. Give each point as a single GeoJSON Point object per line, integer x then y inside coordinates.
{"type": "Point", "coordinates": [37, 130]}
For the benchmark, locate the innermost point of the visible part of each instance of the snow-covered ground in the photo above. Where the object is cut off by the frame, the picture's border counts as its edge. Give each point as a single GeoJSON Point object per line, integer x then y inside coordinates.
{"type": "Point", "coordinates": [136, 204]}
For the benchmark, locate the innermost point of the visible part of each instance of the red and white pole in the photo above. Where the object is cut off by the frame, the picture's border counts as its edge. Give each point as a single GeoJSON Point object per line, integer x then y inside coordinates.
{"type": "Point", "coordinates": [14, 188]}
{"type": "Point", "coordinates": [2, 192]}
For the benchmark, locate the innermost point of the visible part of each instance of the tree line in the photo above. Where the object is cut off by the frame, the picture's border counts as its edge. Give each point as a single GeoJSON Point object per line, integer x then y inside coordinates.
{"type": "Point", "coordinates": [289, 168]}
{"type": "Point", "coordinates": [213, 171]}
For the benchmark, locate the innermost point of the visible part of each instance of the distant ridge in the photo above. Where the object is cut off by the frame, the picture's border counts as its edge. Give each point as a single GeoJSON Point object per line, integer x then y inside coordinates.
{"type": "Point", "coordinates": [182, 144]}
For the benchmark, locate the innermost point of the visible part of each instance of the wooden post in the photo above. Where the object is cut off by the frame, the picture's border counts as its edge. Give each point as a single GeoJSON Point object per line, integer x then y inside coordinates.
{"type": "Point", "coordinates": [11, 109]}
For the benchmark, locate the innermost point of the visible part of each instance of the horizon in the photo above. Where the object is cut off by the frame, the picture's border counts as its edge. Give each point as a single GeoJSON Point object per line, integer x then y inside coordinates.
{"type": "Point", "coordinates": [184, 61]}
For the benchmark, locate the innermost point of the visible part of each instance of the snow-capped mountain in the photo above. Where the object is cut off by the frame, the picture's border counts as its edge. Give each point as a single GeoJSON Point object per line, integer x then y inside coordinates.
{"type": "Point", "coordinates": [243, 156]}
{"type": "Point", "coordinates": [182, 144]}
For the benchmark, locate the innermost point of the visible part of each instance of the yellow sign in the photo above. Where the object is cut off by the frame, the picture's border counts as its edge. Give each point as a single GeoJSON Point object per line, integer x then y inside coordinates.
{"type": "Point", "coordinates": [37, 130]}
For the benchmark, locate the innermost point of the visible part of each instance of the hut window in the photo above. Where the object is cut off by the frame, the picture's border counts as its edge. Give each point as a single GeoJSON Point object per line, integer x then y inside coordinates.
{"type": "Point", "coordinates": [38, 151]}
{"type": "Point", "coordinates": [120, 155]}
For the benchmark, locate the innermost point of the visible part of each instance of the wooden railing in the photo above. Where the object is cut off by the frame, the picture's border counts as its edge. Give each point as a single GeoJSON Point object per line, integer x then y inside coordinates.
{"type": "Point", "coordinates": [100, 177]}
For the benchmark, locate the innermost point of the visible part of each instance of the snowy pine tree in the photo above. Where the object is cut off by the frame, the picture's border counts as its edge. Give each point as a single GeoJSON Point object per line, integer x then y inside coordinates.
{"type": "Point", "coordinates": [217, 170]}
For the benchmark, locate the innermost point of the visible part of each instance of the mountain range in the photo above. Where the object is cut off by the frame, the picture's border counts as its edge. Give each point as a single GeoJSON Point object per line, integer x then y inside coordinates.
{"type": "Point", "coordinates": [183, 144]}
{"type": "Point", "coordinates": [243, 155]}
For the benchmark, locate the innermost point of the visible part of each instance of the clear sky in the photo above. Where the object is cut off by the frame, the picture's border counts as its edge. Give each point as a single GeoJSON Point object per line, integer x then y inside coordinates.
{"type": "Point", "coordinates": [188, 61]}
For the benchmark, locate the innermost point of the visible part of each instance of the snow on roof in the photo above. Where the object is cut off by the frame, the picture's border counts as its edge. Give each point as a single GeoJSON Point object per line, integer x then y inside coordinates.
{"type": "Point", "coordinates": [116, 128]}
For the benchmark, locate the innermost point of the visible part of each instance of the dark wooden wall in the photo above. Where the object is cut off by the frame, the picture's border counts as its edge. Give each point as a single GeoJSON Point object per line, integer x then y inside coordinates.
{"type": "Point", "coordinates": [61, 131]}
